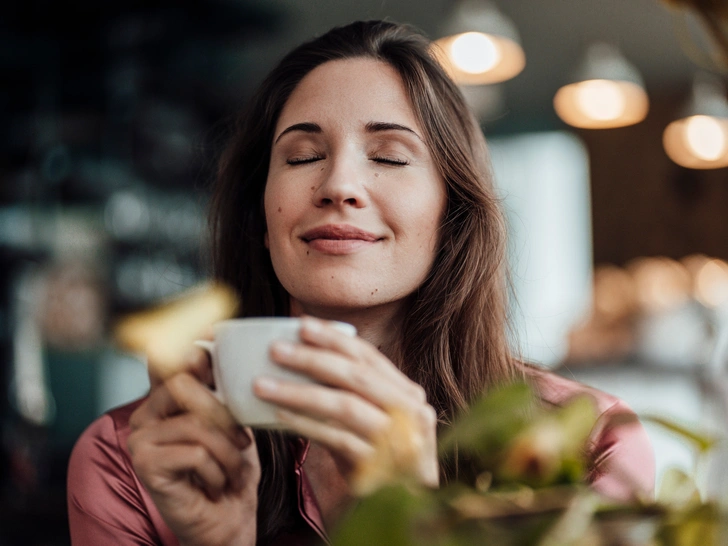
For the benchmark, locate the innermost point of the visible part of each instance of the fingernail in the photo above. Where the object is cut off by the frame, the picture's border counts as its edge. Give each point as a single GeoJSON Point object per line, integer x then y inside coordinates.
{"type": "Point", "coordinates": [282, 347]}
{"type": "Point", "coordinates": [266, 384]}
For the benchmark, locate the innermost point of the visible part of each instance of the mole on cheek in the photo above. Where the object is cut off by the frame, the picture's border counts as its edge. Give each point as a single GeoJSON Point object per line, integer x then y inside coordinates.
{"type": "Point", "coordinates": [280, 209]}
{"type": "Point", "coordinates": [313, 188]}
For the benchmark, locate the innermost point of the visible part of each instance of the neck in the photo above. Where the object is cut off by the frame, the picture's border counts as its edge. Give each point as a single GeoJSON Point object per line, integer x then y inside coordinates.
{"type": "Point", "coordinates": [380, 325]}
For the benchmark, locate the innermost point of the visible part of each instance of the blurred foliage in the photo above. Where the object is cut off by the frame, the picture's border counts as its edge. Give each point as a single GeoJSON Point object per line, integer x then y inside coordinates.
{"type": "Point", "coordinates": [530, 488]}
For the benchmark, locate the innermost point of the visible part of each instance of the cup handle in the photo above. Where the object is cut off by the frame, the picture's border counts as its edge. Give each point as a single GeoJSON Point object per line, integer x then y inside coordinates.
{"type": "Point", "coordinates": [209, 348]}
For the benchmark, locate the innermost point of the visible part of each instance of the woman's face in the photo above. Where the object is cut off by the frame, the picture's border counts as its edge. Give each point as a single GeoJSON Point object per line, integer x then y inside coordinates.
{"type": "Point", "coordinates": [353, 200]}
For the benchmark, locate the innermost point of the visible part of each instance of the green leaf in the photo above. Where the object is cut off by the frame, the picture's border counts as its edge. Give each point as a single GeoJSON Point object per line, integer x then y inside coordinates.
{"type": "Point", "coordinates": [577, 418]}
{"type": "Point", "coordinates": [703, 441]}
{"type": "Point", "coordinates": [701, 525]}
{"type": "Point", "coordinates": [573, 523]}
{"type": "Point", "coordinates": [389, 516]}
{"type": "Point", "coordinates": [677, 489]}
{"type": "Point", "coordinates": [491, 421]}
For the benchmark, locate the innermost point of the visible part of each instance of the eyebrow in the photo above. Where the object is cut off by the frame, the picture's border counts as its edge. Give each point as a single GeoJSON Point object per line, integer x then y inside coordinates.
{"type": "Point", "coordinates": [306, 127]}
{"type": "Point", "coordinates": [379, 126]}
{"type": "Point", "coordinates": [371, 127]}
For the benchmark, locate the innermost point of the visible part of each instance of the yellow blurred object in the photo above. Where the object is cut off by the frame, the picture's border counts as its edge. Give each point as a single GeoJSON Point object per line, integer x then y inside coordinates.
{"type": "Point", "coordinates": [605, 91]}
{"type": "Point", "coordinates": [395, 453]}
{"type": "Point", "coordinates": [165, 333]}
{"type": "Point", "coordinates": [662, 283]}
{"type": "Point", "coordinates": [699, 139]}
{"type": "Point", "coordinates": [479, 44]}
{"type": "Point", "coordinates": [711, 283]}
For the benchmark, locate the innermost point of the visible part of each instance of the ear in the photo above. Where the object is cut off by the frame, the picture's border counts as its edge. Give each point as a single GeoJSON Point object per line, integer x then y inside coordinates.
{"type": "Point", "coordinates": [265, 240]}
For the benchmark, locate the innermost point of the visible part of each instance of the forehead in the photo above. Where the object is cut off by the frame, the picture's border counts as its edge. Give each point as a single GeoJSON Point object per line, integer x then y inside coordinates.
{"type": "Point", "coordinates": [357, 90]}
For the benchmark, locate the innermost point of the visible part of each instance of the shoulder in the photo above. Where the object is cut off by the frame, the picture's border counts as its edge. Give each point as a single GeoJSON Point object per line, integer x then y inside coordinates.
{"type": "Point", "coordinates": [102, 445]}
{"type": "Point", "coordinates": [105, 498]}
{"type": "Point", "coordinates": [621, 458]}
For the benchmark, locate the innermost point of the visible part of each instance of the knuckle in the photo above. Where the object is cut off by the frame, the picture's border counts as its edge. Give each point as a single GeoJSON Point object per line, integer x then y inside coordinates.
{"type": "Point", "coordinates": [428, 416]}
{"type": "Point", "coordinates": [358, 376]}
{"type": "Point", "coordinates": [347, 409]}
{"type": "Point", "coordinates": [198, 455]}
{"type": "Point", "coordinates": [194, 421]}
{"type": "Point", "coordinates": [420, 392]}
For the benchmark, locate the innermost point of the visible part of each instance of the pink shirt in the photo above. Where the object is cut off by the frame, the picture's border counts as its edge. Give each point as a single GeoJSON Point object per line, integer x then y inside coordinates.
{"type": "Point", "coordinates": [107, 504]}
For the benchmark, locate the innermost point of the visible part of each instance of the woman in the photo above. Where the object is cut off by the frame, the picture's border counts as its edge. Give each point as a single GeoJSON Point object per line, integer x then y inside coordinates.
{"type": "Point", "coordinates": [356, 188]}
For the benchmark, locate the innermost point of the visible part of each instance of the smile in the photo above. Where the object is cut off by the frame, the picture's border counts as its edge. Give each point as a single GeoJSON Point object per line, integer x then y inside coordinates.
{"type": "Point", "coordinates": [338, 239]}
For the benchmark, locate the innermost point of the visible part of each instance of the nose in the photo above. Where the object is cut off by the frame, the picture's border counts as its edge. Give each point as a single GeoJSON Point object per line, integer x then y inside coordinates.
{"type": "Point", "coordinates": [342, 184]}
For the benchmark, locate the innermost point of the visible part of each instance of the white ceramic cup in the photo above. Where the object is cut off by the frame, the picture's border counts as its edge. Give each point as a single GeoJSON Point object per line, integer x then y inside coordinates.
{"type": "Point", "coordinates": [240, 353]}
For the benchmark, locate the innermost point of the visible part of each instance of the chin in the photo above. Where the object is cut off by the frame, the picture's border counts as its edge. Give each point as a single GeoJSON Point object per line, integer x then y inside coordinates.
{"type": "Point", "coordinates": [340, 296]}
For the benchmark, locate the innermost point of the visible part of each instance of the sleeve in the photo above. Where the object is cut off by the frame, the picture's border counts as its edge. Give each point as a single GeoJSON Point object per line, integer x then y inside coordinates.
{"type": "Point", "coordinates": [622, 458]}
{"type": "Point", "coordinates": [106, 504]}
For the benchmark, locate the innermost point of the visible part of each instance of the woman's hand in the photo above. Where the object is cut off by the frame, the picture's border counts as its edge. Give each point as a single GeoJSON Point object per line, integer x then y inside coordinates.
{"type": "Point", "coordinates": [352, 408]}
{"type": "Point", "coordinates": [200, 467]}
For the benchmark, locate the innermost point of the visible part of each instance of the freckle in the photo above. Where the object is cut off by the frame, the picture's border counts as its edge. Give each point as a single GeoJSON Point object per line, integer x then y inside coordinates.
{"type": "Point", "coordinates": [376, 289]}
{"type": "Point", "coordinates": [332, 276]}
{"type": "Point", "coordinates": [376, 175]}
{"type": "Point", "coordinates": [313, 188]}
{"type": "Point", "coordinates": [307, 252]}
{"type": "Point", "coordinates": [372, 293]}
{"type": "Point", "coordinates": [280, 209]}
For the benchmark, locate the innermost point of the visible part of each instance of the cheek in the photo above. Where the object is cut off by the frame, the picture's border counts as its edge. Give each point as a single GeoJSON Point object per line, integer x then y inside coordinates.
{"type": "Point", "coordinates": [427, 212]}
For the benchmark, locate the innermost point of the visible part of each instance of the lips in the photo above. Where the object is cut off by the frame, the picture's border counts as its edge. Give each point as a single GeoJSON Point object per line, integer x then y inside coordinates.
{"type": "Point", "coordinates": [338, 232]}
{"type": "Point", "coordinates": [338, 239]}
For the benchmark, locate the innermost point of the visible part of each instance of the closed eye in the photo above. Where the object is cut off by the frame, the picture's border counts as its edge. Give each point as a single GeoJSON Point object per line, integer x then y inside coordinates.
{"type": "Point", "coordinates": [304, 160]}
{"type": "Point", "coordinates": [390, 161]}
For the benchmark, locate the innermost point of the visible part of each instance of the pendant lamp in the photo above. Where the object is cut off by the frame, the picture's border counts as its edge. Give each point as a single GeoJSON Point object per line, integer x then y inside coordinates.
{"type": "Point", "coordinates": [480, 45]}
{"type": "Point", "coordinates": [605, 91]}
{"type": "Point", "coordinates": [699, 140]}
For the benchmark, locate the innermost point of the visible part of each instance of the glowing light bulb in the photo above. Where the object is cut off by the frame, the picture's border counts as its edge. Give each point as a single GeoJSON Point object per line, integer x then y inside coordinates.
{"type": "Point", "coordinates": [705, 137]}
{"type": "Point", "coordinates": [474, 53]}
{"type": "Point", "coordinates": [712, 283]}
{"type": "Point", "coordinates": [601, 99]}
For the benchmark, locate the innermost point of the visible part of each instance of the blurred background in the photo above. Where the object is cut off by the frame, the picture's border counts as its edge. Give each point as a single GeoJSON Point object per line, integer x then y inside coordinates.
{"type": "Point", "coordinates": [113, 113]}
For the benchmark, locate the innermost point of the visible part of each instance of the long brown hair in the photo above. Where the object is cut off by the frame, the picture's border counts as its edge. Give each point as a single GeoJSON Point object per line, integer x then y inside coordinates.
{"type": "Point", "coordinates": [453, 341]}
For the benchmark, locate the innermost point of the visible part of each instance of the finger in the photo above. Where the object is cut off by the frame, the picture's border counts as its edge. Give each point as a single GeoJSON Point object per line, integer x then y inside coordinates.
{"type": "Point", "coordinates": [189, 429]}
{"type": "Point", "coordinates": [164, 467]}
{"type": "Point", "coordinates": [195, 362]}
{"type": "Point", "coordinates": [342, 442]}
{"type": "Point", "coordinates": [325, 404]}
{"type": "Point", "coordinates": [183, 393]}
{"type": "Point", "coordinates": [342, 372]}
{"type": "Point", "coordinates": [322, 334]}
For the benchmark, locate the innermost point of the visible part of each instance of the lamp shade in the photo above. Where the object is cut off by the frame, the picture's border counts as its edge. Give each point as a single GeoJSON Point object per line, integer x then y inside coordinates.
{"type": "Point", "coordinates": [605, 91]}
{"type": "Point", "coordinates": [699, 139]}
{"type": "Point", "coordinates": [480, 45]}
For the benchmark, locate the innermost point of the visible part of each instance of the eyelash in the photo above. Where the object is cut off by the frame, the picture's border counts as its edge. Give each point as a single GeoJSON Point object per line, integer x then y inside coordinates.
{"type": "Point", "coordinates": [391, 161]}
{"type": "Point", "coordinates": [304, 160]}
{"type": "Point", "coordinates": [379, 159]}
